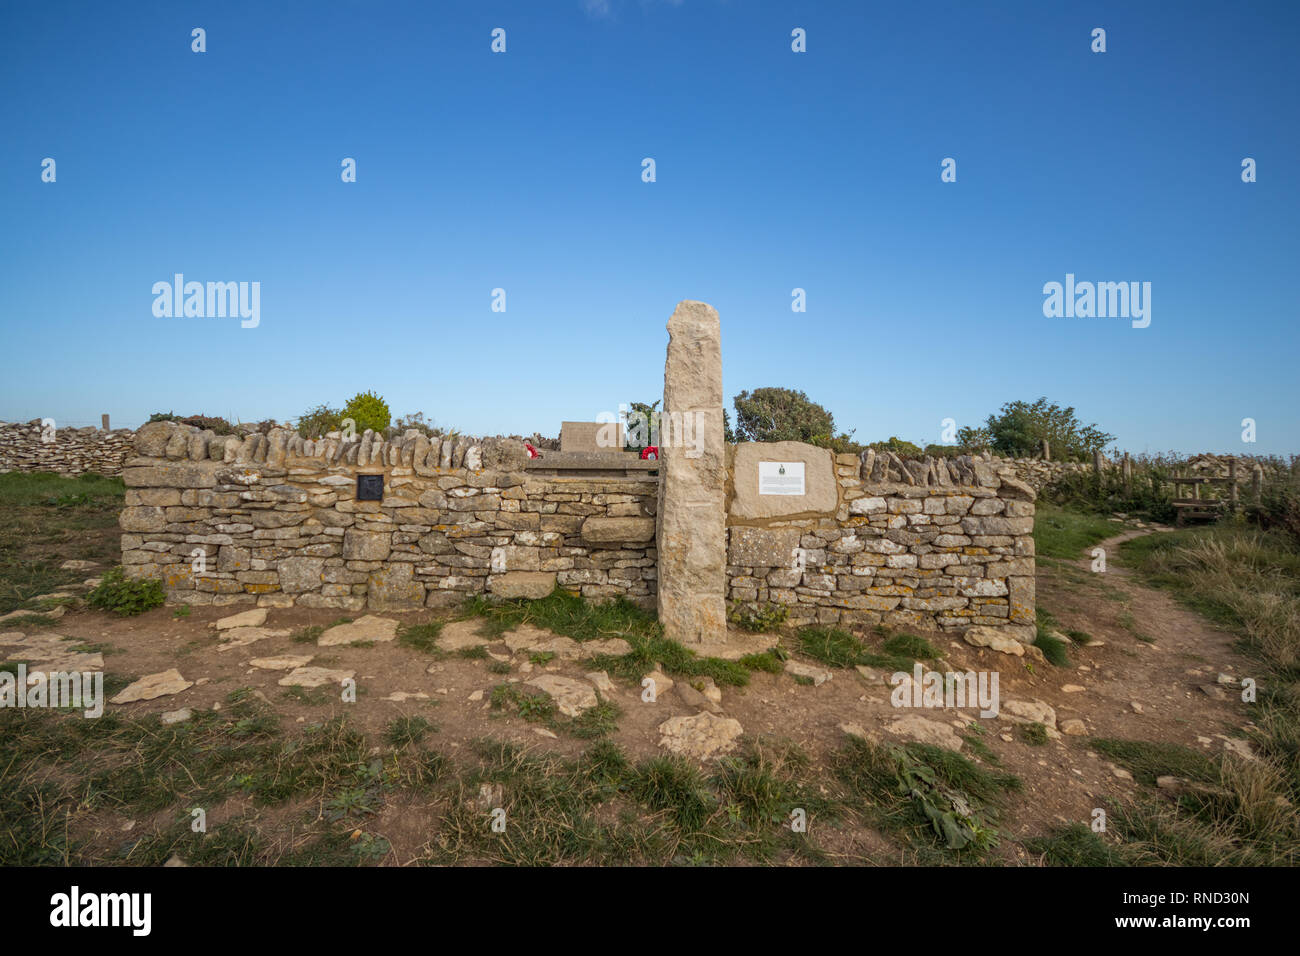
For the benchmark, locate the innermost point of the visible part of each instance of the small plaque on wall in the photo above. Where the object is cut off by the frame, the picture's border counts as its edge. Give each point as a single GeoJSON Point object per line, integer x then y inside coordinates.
{"type": "Point", "coordinates": [370, 487]}
{"type": "Point", "coordinates": [780, 478]}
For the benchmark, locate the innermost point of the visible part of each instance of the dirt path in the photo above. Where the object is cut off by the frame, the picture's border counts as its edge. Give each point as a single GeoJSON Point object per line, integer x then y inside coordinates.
{"type": "Point", "coordinates": [1151, 673]}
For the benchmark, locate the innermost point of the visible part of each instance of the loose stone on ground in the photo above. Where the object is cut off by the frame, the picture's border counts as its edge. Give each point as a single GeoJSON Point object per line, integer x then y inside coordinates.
{"type": "Point", "coordinates": [51, 651]}
{"type": "Point", "coordinates": [152, 686]}
{"type": "Point", "coordinates": [926, 731]}
{"type": "Point", "coordinates": [818, 675]}
{"type": "Point", "coordinates": [572, 697]}
{"type": "Point", "coordinates": [254, 618]}
{"type": "Point", "coordinates": [992, 637]}
{"type": "Point", "coordinates": [459, 635]}
{"type": "Point", "coordinates": [309, 677]}
{"type": "Point", "coordinates": [285, 662]}
{"type": "Point", "coordinates": [368, 628]}
{"type": "Point", "coordinates": [243, 636]}
{"type": "Point", "coordinates": [702, 737]}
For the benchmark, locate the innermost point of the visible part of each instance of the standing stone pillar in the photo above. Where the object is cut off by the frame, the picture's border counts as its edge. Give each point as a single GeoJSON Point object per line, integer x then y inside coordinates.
{"type": "Point", "coordinates": [692, 529]}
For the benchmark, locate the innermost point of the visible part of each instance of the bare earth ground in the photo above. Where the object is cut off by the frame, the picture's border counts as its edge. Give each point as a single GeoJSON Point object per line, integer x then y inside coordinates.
{"type": "Point", "coordinates": [1063, 779]}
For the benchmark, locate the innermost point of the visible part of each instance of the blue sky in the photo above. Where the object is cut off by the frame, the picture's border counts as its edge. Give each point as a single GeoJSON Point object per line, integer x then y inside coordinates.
{"type": "Point", "coordinates": [775, 170]}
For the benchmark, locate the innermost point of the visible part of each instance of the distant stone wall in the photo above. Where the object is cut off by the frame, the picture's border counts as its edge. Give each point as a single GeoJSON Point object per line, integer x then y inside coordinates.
{"type": "Point", "coordinates": [944, 543]}
{"type": "Point", "coordinates": [66, 451]}
{"type": "Point", "coordinates": [276, 521]}
{"type": "Point", "coordinates": [1040, 474]}
{"type": "Point", "coordinates": [1036, 472]}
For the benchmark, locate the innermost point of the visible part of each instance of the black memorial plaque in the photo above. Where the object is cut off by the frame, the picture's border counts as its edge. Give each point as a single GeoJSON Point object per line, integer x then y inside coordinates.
{"type": "Point", "coordinates": [370, 487]}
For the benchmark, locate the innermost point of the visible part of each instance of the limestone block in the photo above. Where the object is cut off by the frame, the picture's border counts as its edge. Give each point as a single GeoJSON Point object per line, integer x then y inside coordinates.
{"type": "Point", "coordinates": [170, 474]}
{"type": "Point", "coordinates": [691, 509]}
{"type": "Point", "coordinates": [367, 545]}
{"type": "Point", "coordinates": [603, 530]}
{"type": "Point", "coordinates": [300, 574]}
{"type": "Point", "coordinates": [394, 588]}
{"type": "Point", "coordinates": [523, 584]}
{"type": "Point", "coordinates": [763, 547]}
{"type": "Point", "coordinates": [821, 491]}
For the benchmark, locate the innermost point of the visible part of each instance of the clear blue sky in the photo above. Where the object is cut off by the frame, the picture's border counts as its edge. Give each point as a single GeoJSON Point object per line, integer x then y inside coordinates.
{"type": "Point", "coordinates": [775, 170]}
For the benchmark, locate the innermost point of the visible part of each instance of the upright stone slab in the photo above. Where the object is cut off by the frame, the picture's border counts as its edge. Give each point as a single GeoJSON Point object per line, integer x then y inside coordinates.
{"type": "Point", "coordinates": [692, 481]}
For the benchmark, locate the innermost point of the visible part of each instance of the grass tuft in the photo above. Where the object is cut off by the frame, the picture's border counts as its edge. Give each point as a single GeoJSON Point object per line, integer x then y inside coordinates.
{"type": "Point", "coordinates": [420, 637]}
{"type": "Point", "coordinates": [1053, 649]}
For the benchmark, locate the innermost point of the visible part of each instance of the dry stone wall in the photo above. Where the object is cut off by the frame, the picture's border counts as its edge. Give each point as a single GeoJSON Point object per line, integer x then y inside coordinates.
{"type": "Point", "coordinates": [944, 543]}
{"type": "Point", "coordinates": [1042, 474]}
{"type": "Point", "coordinates": [1036, 472]}
{"type": "Point", "coordinates": [275, 520]}
{"type": "Point", "coordinates": [65, 451]}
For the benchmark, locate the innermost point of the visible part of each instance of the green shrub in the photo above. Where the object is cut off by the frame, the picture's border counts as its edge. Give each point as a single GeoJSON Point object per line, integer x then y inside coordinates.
{"type": "Point", "coordinates": [417, 421]}
{"type": "Point", "coordinates": [318, 421]}
{"type": "Point", "coordinates": [1147, 493]}
{"type": "Point", "coordinates": [841, 444]}
{"type": "Point", "coordinates": [204, 422]}
{"type": "Point", "coordinates": [218, 425]}
{"type": "Point", "coordinates": [368, 410]}
{"type": "Point", "coordinates": [780, 414]}
{"type": "Point", "coordinates": [126, 596]}
{"type": "Point", "coordinates": [643, 424]}
{"type": "Point", "coordinates": [1278, 507]}
{"type": "Point", "coordinates": [949, 451]}
{"type": "Point", "coordinates": [1018, 430]}
{"type": "Point", "coordinates": [900, 447]}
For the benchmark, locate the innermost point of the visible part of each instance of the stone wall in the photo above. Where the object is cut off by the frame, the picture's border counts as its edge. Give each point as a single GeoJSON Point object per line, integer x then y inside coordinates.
{"type": "Point", "coordinates": [944, 543]}
{"type": "Point", "coordinates": [276, 521]}
{"type": "Point", "coordinates": [1040, 474]}
{"type": "Point", "coordinates": [1036, 472]}
{"type": "Point", "coordinates": [68, 451]}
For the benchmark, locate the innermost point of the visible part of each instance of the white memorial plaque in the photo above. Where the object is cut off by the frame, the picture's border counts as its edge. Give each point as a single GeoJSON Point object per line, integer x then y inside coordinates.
{"type": "Point", "coordinates": [780, 478]}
